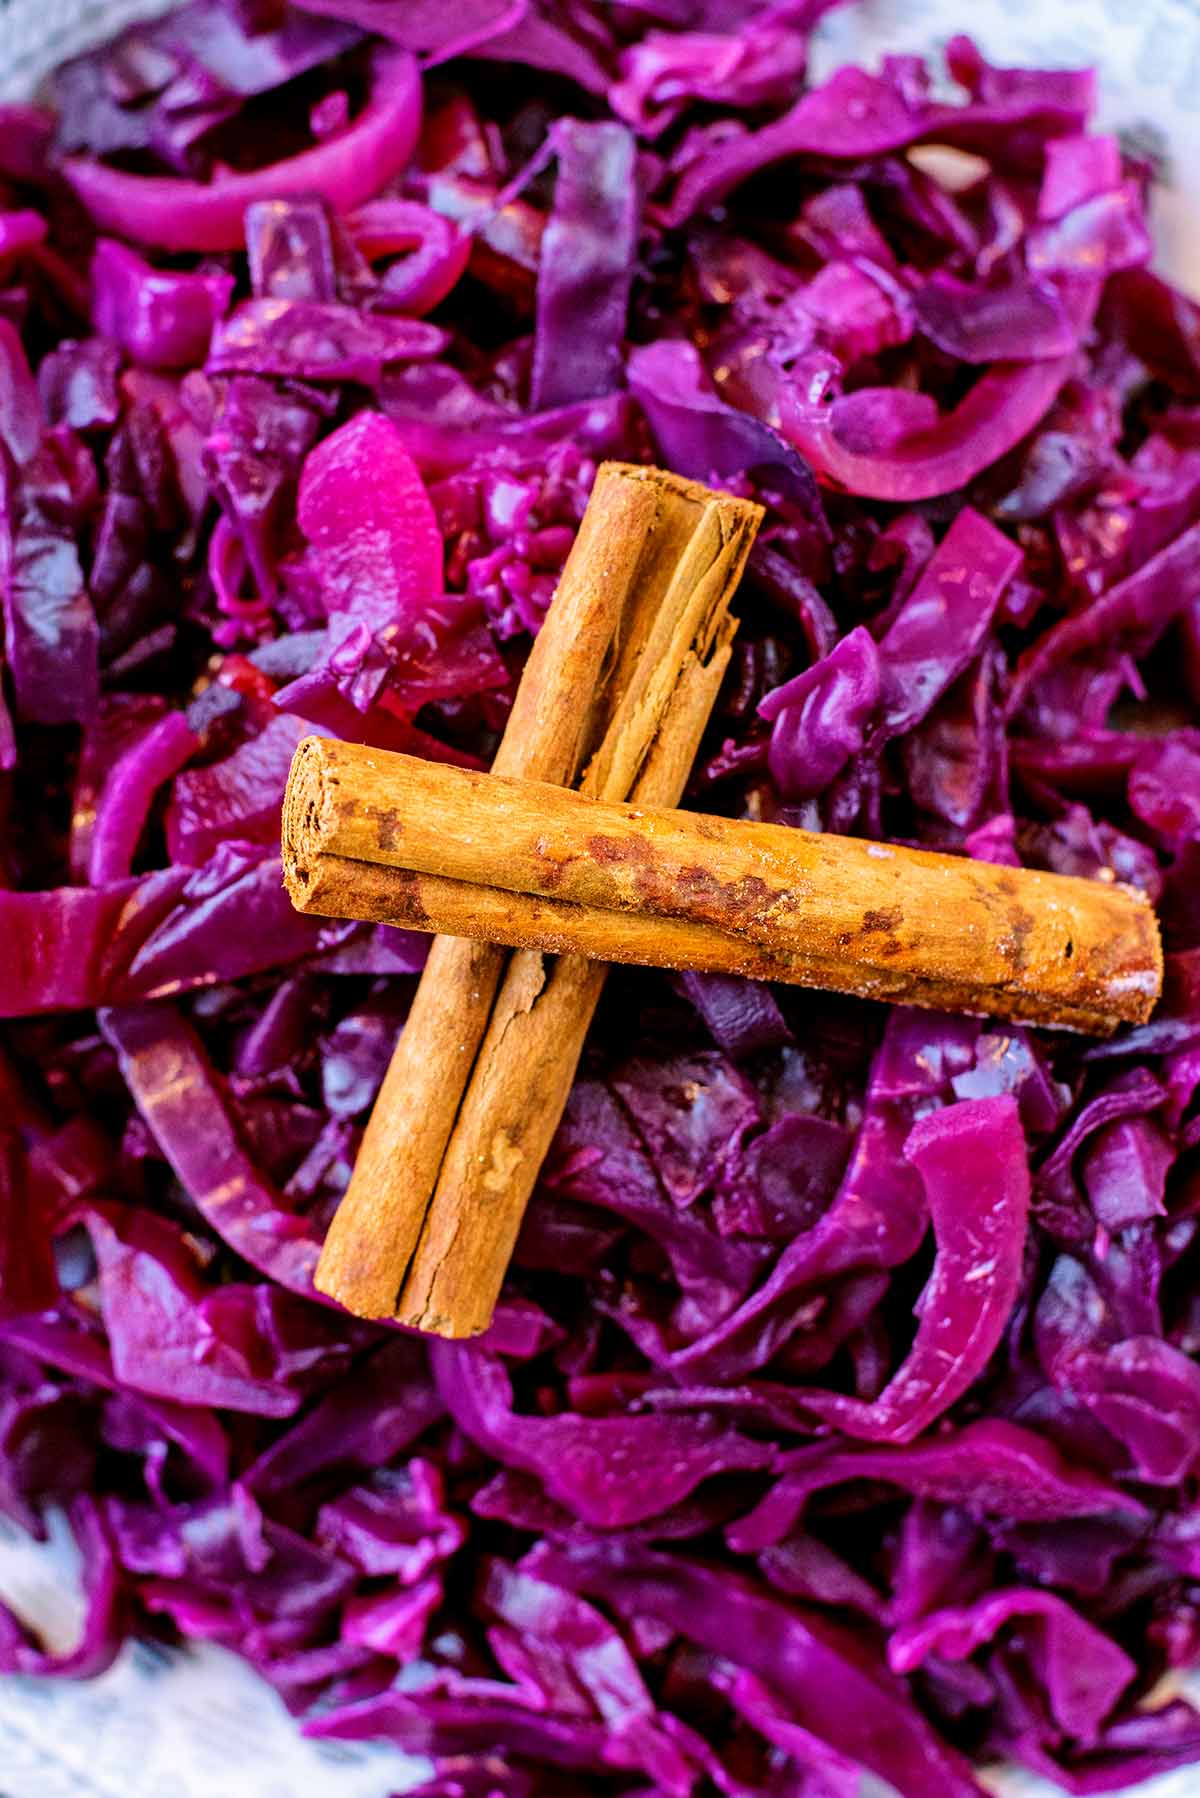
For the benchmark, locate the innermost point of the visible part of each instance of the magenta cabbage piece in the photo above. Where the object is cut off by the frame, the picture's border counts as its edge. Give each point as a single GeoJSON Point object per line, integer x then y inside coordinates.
{"type": "Point", "coordinates": [1083, 1673]}
{"type": "Point", "coordinates": [124, 802]}
{"type": "Point", "coordinates": [431, 252]}
{"type": "Point", "coordinates": [838, 1426]}
{"type": "Point", "coordinates": [160, 320]}
{"type": "Point", "coordinates": [972, 1161]}
{"type": "Point", "coordinates": [175, 212]}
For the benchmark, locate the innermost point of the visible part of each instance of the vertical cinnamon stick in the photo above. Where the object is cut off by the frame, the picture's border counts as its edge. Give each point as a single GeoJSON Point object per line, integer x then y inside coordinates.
{"type": "Point", "coordinates": [648, 579]}
{"type": "Point", "coordinates": [373, 1234]}
{"type": "Point", "coordinates": [527, 1062]}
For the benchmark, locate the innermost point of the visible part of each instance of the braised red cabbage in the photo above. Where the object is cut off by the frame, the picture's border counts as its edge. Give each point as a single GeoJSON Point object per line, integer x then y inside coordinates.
{"type": "Point", "coordinates": [838, 1427]}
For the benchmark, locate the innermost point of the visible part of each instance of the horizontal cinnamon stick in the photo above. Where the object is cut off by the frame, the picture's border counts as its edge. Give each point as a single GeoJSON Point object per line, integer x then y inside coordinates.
{"type": "Point", "coordinates": [637, 634]}
{"type": "Point", "coordinates": [408, 841]}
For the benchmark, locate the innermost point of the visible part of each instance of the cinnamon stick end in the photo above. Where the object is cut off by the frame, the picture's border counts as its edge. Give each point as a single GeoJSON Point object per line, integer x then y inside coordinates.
{"type": "Point", "coordinates": [1146, 976]}
{"type": "Point", "coordinates": [307, 807]}
{"type": "Point", "coordinates": [348, 1274]}
{"type": "Point", "coordinates": [453, 1282]}
{"type": "Point", "coordinates": [746, 512]}
{"type": "Point", "coordinates": [436, 1323]}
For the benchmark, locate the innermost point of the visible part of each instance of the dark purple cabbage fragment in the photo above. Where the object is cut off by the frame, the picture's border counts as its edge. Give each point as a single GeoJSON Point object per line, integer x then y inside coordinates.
{"type": "Point", "coordinates": [800, 1652]}
{"type": "Point", "coordinates": [821, 718]}
{"type": "Point", "coordinates": [588, 255]}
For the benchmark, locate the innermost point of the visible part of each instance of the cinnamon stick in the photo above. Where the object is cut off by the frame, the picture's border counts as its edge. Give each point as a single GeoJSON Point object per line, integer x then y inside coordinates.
{"type": "Point", "coordinates": [640, 613]}
{"type": "Point", "coordinates": [410, 841]}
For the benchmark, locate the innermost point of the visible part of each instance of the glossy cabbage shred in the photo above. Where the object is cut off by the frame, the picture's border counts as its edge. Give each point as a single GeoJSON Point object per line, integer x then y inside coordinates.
{"type": "Point", "coordinates": [839, 1430]}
